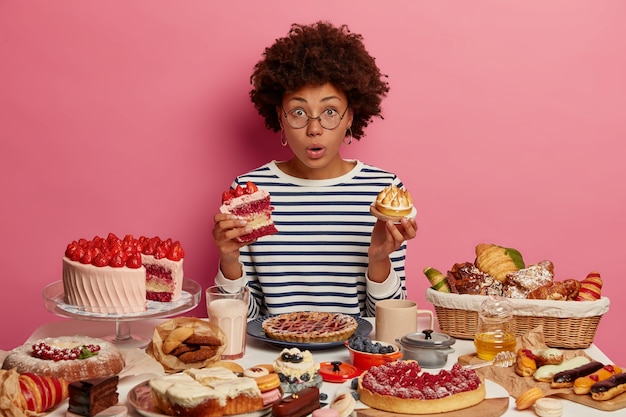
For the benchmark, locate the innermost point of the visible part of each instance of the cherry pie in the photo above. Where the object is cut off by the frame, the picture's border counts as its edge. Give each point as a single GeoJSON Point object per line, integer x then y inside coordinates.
{"type": "Point", "coordinates": [310, 327]}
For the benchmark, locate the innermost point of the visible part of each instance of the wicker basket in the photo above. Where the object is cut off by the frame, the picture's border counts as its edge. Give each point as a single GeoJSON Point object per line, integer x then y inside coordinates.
{"type": "Point", "coordinates": [566, 324]}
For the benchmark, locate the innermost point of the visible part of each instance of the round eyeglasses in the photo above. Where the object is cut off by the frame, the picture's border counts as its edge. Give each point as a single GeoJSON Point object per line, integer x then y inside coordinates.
{"type": "Point", "coordinates": [329, 118]}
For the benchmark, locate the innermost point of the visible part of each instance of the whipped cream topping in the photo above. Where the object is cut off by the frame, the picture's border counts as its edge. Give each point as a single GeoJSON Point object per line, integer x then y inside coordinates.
{"type": "Point", "coordinates": [243, 199]}
{"type": "Point", "coordinates": [194, 386]}
{"type": "Point", "coordinates": [394, 198]}
{"type": "Point", "coordinates": [291, 369]}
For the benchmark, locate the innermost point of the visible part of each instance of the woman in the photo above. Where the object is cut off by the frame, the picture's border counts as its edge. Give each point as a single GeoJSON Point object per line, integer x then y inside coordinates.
{"type": "Point", "coordinates": [319, 88]}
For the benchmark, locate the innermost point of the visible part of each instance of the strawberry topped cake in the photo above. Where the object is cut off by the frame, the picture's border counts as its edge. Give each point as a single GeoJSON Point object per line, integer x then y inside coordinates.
{"type": "Point", "coordinates": [252, 205]}
{"type": "Point", "coordinates": [402, 387]}
{"type": "Point", "coordinates": [114, 275]}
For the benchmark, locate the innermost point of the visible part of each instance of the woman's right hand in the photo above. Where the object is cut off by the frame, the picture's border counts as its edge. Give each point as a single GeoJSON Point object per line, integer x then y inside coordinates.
{"type": "Point", "coordinates": [226, 230]}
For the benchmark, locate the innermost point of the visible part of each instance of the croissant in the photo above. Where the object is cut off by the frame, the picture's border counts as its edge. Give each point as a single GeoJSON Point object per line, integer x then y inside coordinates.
{"type": "Point", "coordinates": [437, 279]}
{"type": "Point", "coordinates": [30, 392]}
{"type": "Point", "coordinates": [556, 290]}
{"type": "Point", "coordinates": [590, 287]}
{"type": "Point", "coordinates": [498, 261]}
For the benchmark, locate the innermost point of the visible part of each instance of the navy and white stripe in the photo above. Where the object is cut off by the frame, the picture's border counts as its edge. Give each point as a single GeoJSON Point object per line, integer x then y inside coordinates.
{"type": "Point", "coordinates": [318, 259]}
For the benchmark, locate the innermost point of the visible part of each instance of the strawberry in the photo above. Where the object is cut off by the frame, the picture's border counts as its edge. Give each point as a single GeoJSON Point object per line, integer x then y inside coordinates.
{"type": "Point", "coordinates": [78, 253]}
{"type": "Point", "coordinates": [226, 195]}
{"type": "Point", "coordinates": [117, 260]}
{"type": "Point", "coordinates": [161, 252]}
{"type": "Point", "coordinates": [239, 191]}
{"type": "Point", "coordinates": [101, 260]}
{"type": "Point", "coordinates": [251, 187]}
{"type": "Point", "coordinates": [176, 252]}
{"type": "Point", "coordinates": [134, 260]}
{"type": "Point", "coordinates": [71, 248]}
{"type": "Point", "coordinates": [90, 254]}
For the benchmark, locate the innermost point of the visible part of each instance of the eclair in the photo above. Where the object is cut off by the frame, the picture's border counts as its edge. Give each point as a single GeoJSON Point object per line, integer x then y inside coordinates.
{"type": "Point", "coordinates": [565, 379]}
{"type": "Point", "coordinates": [583, 384]}
{"type": "Point", "coordinates": [609, 388]}
{"type": "Point", "coordinates": [546, 373]}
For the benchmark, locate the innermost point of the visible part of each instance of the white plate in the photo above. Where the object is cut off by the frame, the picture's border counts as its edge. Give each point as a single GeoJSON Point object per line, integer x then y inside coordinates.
{"type": "Point", "coordinates": [394, 219]}
{"type": "Point", "coordinates": [139, 397]}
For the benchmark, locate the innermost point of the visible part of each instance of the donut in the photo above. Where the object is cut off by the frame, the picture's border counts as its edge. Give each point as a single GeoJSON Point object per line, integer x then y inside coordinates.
{"type": "Point", "coordinates": [528, 398]}
{"type": "Point", "coordinates": [548, 407]}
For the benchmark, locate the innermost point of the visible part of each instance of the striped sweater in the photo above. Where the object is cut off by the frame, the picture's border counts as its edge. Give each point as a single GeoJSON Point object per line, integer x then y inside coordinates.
{"type": "Point", "coordinates": [318, 259]}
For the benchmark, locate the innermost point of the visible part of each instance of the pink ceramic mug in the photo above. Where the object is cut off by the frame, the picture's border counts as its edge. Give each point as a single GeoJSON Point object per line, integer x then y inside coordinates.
{"type": "Point", "coordinates": [396, 318]}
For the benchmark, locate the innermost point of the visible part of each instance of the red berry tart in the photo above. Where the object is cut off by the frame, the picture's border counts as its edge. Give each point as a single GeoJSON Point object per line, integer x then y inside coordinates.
{"type": "Point", "coordinates": [113, 275]}
{"type": "Point", "coordinates": [402, 387]}
{"type": "Point", "coordinates": [71, 358]}
{"type": "Point", "coordinates": [252, 205]}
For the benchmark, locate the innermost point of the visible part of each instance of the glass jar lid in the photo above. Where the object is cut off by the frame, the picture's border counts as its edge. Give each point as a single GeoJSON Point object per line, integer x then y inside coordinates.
{"type": "Point", "coordinates": [428, 339]}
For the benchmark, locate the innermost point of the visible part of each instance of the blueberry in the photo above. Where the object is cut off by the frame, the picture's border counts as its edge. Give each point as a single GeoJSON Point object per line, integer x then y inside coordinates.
{"type": "Point", "coordinates": [354, 384]}
{"type": "Point", "coordinates": [323, 396]}
{"type": "Point", "coordinates": [305, 377]}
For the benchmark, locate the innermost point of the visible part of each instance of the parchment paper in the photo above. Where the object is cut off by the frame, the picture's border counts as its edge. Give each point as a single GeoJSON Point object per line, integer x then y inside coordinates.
{"type": "Point", "coordinates": [170, 363]}
{"type": "Point", "coordinates": [515, 384]}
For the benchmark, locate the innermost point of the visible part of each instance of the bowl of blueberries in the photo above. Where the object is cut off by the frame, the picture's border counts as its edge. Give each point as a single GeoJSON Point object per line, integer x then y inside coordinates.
{"type": "Point", "coordinates": [365, 352]}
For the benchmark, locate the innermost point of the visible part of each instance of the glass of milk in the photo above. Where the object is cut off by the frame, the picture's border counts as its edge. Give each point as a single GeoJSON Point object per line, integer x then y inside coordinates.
{"type": "Point", "coordinates": [227, 307]}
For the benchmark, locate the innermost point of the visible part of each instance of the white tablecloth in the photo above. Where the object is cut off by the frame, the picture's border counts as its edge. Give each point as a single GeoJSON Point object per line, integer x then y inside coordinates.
{"type": "Point", "coordinates": [258, 352]}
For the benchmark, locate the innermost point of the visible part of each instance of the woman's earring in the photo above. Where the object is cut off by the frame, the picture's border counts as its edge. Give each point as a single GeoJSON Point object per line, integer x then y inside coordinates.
{"type": "Point", "coordinates": [283, 137]}
{"type": "Point", "coordinates": [349, 136]}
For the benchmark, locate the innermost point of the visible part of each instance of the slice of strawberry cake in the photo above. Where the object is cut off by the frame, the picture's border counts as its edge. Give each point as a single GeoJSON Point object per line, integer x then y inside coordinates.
{"type": "Point", "coordinates": [252, 205]}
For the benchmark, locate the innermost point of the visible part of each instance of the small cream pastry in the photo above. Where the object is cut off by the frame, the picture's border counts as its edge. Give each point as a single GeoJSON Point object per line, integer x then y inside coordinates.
{"type": "Point", "coordinates": [394, 201]}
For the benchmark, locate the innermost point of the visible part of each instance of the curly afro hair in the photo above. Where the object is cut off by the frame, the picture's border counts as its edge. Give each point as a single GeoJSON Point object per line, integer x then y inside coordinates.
{"type": "Point", "coordinates": [314, 55]}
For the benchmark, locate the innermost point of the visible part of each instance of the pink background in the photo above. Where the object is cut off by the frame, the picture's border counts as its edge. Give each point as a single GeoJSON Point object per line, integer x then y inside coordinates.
{"type": "Point", "coordinates": [505, 120]}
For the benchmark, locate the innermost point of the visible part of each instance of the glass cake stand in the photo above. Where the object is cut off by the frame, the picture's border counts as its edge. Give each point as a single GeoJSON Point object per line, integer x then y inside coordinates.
{"type": "Point", "coordinates": [54, 299]}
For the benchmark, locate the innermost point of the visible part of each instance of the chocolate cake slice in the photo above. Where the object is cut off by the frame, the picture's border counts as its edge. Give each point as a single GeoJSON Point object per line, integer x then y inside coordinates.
{"type": "Point", "coordinates": [91, 396]}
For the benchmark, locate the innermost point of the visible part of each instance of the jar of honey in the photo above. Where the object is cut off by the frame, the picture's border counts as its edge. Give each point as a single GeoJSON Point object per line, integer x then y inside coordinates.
{"type": "Point", "coordinates": [495, 330]}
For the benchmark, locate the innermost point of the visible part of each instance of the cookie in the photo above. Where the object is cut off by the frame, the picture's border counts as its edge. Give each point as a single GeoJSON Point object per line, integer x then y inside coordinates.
{"type": "Point", "coordinates": [175, 338]}
{"type": "Point", "coordinates": [202, 354]}
{"type": "Point", "coordinates": [203, 340]}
